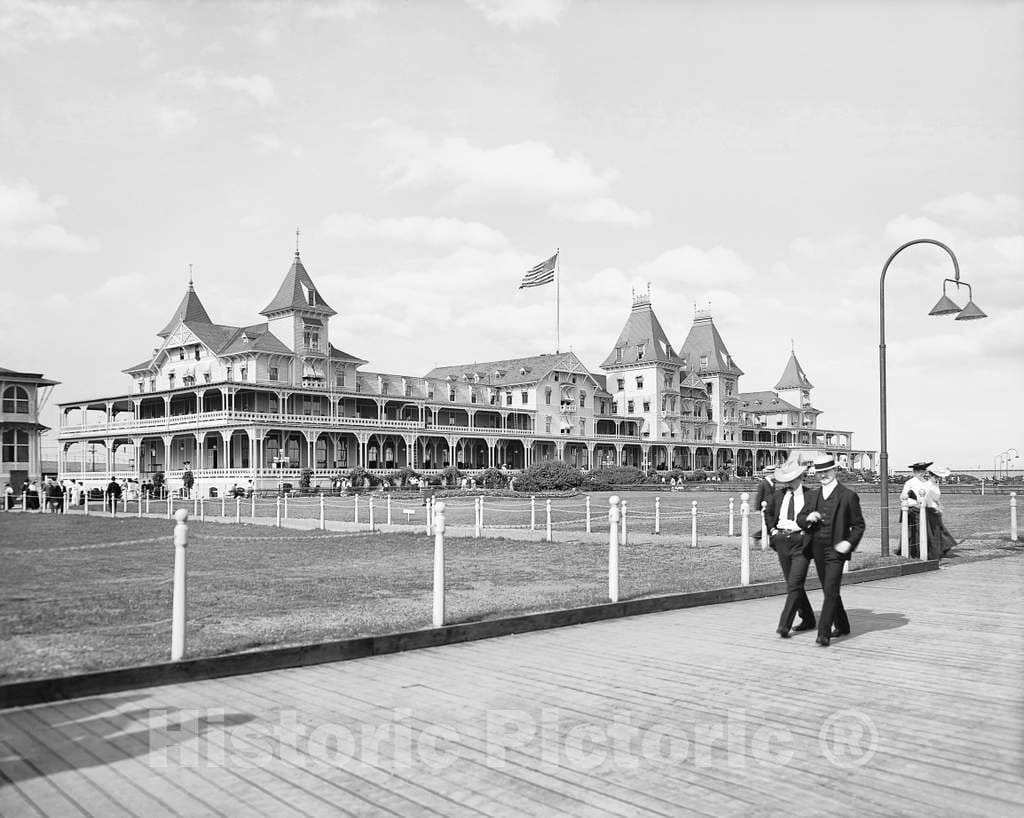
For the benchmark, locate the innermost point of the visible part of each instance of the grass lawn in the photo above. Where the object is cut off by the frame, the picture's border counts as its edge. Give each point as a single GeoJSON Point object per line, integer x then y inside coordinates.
{"type": "Point", "coordinates": [106, 602]}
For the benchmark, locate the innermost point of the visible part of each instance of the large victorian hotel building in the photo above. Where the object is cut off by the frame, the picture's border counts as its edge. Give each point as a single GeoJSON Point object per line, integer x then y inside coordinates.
{"type": "Point", "coordinates": [267, 401]}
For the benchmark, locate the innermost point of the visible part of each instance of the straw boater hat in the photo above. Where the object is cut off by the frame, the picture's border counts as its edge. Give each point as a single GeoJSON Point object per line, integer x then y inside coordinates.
{"type": "Point", "coordinates": [921, 465]}
{"type": "Point", "coordinates": [824, 462]}
{"type": "Point", "coordinates": [788, 472]}
{"type": "Point", "coordinates": [939, 471]}
{"type": "Point", "coordinates": [767, 471]}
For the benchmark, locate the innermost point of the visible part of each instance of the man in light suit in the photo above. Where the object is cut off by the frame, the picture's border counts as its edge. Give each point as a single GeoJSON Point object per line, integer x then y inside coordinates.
{"type": "Point", "coordinates": [832, 516]}
{"type": "Point", "coordinates": [764, 493]}
{"type": "Point", "coordinates": [792, 544]}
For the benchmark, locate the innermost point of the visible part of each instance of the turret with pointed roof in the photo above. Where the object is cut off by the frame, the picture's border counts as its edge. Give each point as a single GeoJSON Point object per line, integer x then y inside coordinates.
{"type": "Point", "coordinates": [793, 377]}
{"type": "Point", "coordinates": [297, 293]}
{"type": "Point", "coordinates": [190, 309]}
{"type": "Point", "coordinates": [704, 350]}
{"type": "Point", "coordinates": [642, 340]}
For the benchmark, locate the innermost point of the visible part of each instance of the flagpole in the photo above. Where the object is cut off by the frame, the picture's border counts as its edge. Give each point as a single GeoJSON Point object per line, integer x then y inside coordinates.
{"type": "Point", "coordinates": [558, 275]}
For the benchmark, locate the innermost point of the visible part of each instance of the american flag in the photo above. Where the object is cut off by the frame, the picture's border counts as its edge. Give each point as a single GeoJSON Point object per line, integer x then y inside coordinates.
{"type": "Point", "coordinates": [543, 273]}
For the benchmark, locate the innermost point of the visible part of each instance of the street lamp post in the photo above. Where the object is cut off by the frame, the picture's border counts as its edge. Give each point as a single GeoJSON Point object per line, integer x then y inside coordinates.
{"type": "Point", "coordinates": [1010, 460]}
{"type": "Point", "coordinates": [944, 306]}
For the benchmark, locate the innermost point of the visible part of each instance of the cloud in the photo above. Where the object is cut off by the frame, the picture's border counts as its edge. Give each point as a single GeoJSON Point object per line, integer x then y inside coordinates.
{"type": "Point", "coordinates": [992, 213]}
{"type": "Point", "coordinates": [29, 221]}
{"type": "Point", "coordinates": [436, 232]}
{"type": "Point", "coordinates": [602, 211]}
{"type": "Point", "coordinates": [519, 14]}
{"type": "Point", "coordinates": [254, 87]}
{"type": "Point", "coordinates": [174, 121]}
{"type": "Point", "coordinates": [524, 173]}
{"type": "Point", "coordinates": [268, 143]}
{"type": "Point", "coordinates": [342, 9]}
{"type": "Point", "coordinates": [25, 23]}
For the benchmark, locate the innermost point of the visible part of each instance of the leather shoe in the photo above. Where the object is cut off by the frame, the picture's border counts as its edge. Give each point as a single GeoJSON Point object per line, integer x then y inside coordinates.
{"type": "Point", "coordinates": [805, 626]}
{"type": "Point", "coordinates": [824, 641]}
{"type": "Point", "coordinates": [836, 632]}
{"type": "Point", "coordinates": [782, 633]}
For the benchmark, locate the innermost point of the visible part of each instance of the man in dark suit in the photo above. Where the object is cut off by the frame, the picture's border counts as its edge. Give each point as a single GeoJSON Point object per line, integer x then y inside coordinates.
{"type": "Point", "coordinates": [792, 545]}
{"type": "Point", "coordinates": [764, 493]}
{"type": "Point", "coordinates": [832, 517]}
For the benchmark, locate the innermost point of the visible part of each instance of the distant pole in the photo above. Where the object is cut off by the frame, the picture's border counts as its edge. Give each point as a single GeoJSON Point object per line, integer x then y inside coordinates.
{"type": "Point", "coordinates": [922, 530]}
{"type": "Point", "coordinates": [764, 525]}
{"type": "Point", "coordinates": [732, 527]}
{"type": "Point", "coordinates": [323, 518]}
{"type": "Point", "coordinates": [438, 618]}
{"type": "Point", "coordinates": [588, 513]}
{"type": "Point", "coordinates": [657, 515]}
{"type": "Point", "coordinates": [622, 517]}
{"type": "Point", "coordinates": [252, 503]}
{"type": "Point", "coordinates": [548, 510]}
{"type": "Point", "coordinates": [180, 597]}
{"type": "Point", "coordinates": [371, 512]}
{"type": "Point", "coordinates": [613, 548]}
{"type": "Point", "coordinates": [693, 524]}
{"type": "Point", "coordinates": [744, 538]}
{"type": "Point", "coordinates": [238, 509]}
{"type": "Point", "coordinates": [278, 517]}
{"type": "Point", "coordinates": [533, 513]}
{"type": "Point", "coordinates": [904, 528]}
{"type": "Point", "coordinates": [357, 509]}
{"type": "Point", "coordinates": [1013, 516]}
{"type": "Point", "coordinates": [389, 509]}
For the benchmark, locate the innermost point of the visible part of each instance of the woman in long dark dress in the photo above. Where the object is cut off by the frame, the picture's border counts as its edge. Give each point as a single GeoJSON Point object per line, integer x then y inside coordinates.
{"type": "Point", "coordinates": [940, 541]}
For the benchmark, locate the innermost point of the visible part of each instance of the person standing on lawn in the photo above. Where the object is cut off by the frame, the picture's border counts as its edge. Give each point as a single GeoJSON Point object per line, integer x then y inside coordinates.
{"type": "Point", "coordinates": [792, 544]}
{"type": "Point", "coordinates": [913, 491]}
{"type": "Point", "coordinates": [832, 517]}
{"type": "Point", "coordinates": [764, 494]}
{"type": "Point", "coordinates": [113, 494]}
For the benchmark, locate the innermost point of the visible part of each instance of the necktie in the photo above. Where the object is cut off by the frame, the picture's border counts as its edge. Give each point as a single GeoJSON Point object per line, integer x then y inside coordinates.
{"type": "Point", "coordinates": [786, 502]}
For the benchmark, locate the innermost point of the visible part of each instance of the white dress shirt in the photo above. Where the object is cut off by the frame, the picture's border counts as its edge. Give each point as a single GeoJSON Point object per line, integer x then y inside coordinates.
{"type": "Point", "coordinates": [792, 502]}
{"type": "Point", "coordinates": [828, 488]}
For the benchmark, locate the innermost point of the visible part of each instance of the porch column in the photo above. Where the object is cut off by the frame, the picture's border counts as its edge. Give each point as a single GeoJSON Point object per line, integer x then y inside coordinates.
{"type": "Point", "coordinates": [137, 443]}
{"type": "Point", "coordinates": [108, 444]}
{"type": "Point", "coordinates": [167, 406]}
{"type": "Point", "coordinates": [200, 445]}
{"type": "Point", "coordinates": [138, 406]}
{"type": "Point", "coordinates": [167, 451]}
{"type": "Point", "coordinates": [619, 454]}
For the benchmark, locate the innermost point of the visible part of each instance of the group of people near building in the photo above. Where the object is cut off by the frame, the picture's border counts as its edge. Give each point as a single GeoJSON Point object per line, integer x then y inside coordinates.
{"type": "Point", "coordinates": [824, 524]}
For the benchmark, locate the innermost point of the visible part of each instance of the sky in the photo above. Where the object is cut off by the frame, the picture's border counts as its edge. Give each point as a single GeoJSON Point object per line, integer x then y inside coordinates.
{"type": "Point", "coordinates": [761, 158]}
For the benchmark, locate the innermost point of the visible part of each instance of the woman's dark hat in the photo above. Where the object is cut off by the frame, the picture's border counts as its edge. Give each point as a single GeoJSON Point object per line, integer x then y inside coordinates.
{"type": "Point", "coordinates": [921, 466]}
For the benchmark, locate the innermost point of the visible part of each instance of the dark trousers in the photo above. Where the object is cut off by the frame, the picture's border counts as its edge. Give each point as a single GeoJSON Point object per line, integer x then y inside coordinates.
{"type": "Point", "coordinates": [794, 561]}
{"type": "Point", "coordinates": [829, 564]}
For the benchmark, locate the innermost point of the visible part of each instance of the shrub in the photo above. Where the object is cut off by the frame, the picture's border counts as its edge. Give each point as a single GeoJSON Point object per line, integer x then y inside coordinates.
{"type": "Point", "coordinates": [359, 477]}
{"type": "Point", "coordinates": [159, 488]}
{"type": "Point", "coordinates": [603, 479]}
{"type": "Point", "coordinates": [450, 476]}
{"type": "Point", "coordinates": [304, 478]}
{"type": "Point", "coordinates": [698, 476]}
{"type": "Point", "coordinates": [492, 479]}
{"type": "Point", "coordinates": [403, 476]}
{"type": "Point", "coordinates": [549, 475]}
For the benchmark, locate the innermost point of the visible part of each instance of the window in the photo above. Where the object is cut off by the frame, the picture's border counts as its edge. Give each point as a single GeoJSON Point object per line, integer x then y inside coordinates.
{"type": "Point", "coordinates": [141, 386]}
{"type": "Point", "coordinates": [273, 373]}
{"type": "Point", "coordinates": [243, 372]}
{"type": "Point", "coordinates": [508, 398]}
{"type": "Point", "coordinates": [621, 383]}
{"type": "Point", "coordinates": [472, 396]}
{"type": "Point", "coordinates": [311, 338]}
{"type": "Point", "coordinates": [524, 396]}
{"type": "Point", "coordinates": [430, 392]}
{"type": "Point", "coordinates": [710, 387]}
{"type": "Point", "coordinates": [639, 381]}
{"type": "Point", "coordinates": [170, 381]}
{"type": "Point", "coordinates": [618, 355]}
{"type": "Point", "coordinates": [547, 424]}
{"type": "Point", "coordinates": [615, 407]}
{"type": "Point", "coordinates": [703, 361]}
{"type": "Point", "coordinates": [451, 393]}
{"type": "Point", "coordinates": [197, 352]}
{"type": "Point", "coordinates": [668, 380]}
{"type": "Point", "coordinates": [629, 407]}
{"type": "Point", "coordinates": [583, 426]}
{"type": "Point", "coordinates": [339, 377]}
{"type": "Point", "coordinates": [181, 354]}
{"type": "Point", "coordinates": [206, 377]}
{"type": "Point", "coordinates": [647, 406]}
{"type": "Point", "coordinates": [15, 446]}
{"type": "Point", "coordinates": [408, 390]}
{"type": "Point", "coordinates": [16, 400]}
{"type": "Point", "coordinates": [641, 350]}
{"type": "Point", "coordinates": [574, 379]}
{"type": "Point", "coordinates": [728, 387]}
{"type": "Point", "coordinates": [229, 373]}
{"type": "Point", "coordinates": [556, 377]}
{"type": "Point", "coordinates": [547, 395]}
{"type": "Point", "coordinates": [583, 399]}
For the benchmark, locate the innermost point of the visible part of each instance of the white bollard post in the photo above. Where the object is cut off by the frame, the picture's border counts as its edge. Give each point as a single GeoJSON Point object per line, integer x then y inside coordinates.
{"type": "Point", "coordinates": [622, 537]}
{"type": "Point", "coordinates": [371, 512]}
{"type": "Point", "coordinates": [24, 500]}
{"type": "Point", "coordinates": [389, 509]}
{"type": "Point", "coordinates": [147, 504]}
{"type": "Point", "coordinates": [547, 507]}
{"type": "Point", "coordinates": [286, 506]}
{"type": "Point", "coordinates": [904, 529]}
{"type": "Point", "coordinates": [430, 513]}
{"type": "Point", "coordinates": [223, 505]}
{"type": "Point", "coordinates": [252, 504]}
{"type": "Point", "coordinates": [657, 515]}
{"type": "Point", "coordinates": [744, 537]}
{"type": "Point", "coordinates": [87, 506]}
{"type": "Point", "coordinates": [922, 531]}
{"type": "Point", "coordinates": [202, 510]}
{"type": "Point", "coordinates": [982, 486]}
{"type": "Point", "coordinates": [481, 512]}
{"type": "Point", "coordinates": [588, 513]}
{"type": "Point", "coordinates": [180, 597]}
{"type": "Point", "coordinates": [140, 507]}
{"type": "Point", "coordinates": [323, 517]}
{"type": "Point", "coordinates": [693, 524]}
{"type": "Point", "coordinates": [357, 509]}
{"type": "Point", "coordinates": [113, 505]}
{"type": "Point", "coordinates": [732, 526]}
{"type": "Point", "coordinates": [238, 509]}
{"type": "Point", "coordinates": [613, 548]}
{"type": "Point", "coordinates": [278, 519]}
{"type": "Point", "coordinates": [476, 516]}
{"type": "Point", "coordinates": [195, 504]}
{"type": "Point", "coordinates": [439, 565]}
{"type": "Point", "coordinates": [533, 513]}
{"type": "Point", "coordinates": [168, 506]}
{"type": "Point", "coordinates": [1013, 516]}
